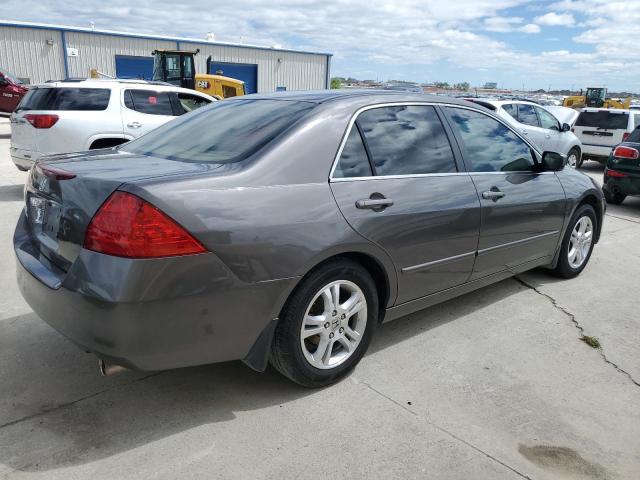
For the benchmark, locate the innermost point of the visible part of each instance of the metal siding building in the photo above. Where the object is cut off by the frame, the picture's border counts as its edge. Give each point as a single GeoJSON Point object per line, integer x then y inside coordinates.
{"type": "Point", "coordinates": [41, 52]}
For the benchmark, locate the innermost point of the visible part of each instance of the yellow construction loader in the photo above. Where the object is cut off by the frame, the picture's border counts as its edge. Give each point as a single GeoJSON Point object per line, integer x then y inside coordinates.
{"type": "Point", "coordinates": [178, 68]}
{"type": "Point", "coordinates": [595, 97]}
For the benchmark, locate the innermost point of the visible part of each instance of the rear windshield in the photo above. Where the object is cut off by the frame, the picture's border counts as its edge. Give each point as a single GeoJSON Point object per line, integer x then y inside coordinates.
{"type": "Point", "coordinates": [635, 136]}
{"type": "Point", "coordinates": [225, 132]}
{"type": "Point", "coordinates": [603, 119]}
{"type": "Point", "coordinates": [82, 99]}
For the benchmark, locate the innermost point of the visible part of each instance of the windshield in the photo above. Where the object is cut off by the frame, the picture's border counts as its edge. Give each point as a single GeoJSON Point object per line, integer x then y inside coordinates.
{"type": "Point", "coordinates": [226, 132]}
{"type": "Point", "coordinates": [603, 119]}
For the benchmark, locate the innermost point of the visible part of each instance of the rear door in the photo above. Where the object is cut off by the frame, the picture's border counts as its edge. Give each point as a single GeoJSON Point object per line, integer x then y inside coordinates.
{"type": "Point", "coordinates": [522, 211]}
{"type": "Point", "coordinates": [144, 110]}
{"type": "Point", "coordinates": [397, 183]}
{"type": "Point", "coordinates": [602, 128]}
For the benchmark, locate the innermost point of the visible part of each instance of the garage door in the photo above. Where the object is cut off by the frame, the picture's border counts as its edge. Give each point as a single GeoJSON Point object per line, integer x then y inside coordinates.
{"type": "Point", "coordinates": [134, 67]}
{"type": "Point", "coordinates": [247, 72]}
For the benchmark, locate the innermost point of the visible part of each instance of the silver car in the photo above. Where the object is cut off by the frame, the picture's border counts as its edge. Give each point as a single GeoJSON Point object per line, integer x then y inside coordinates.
{"type": "Point", "coordinates": [539, 125]}
{"type": "Point", "coordinates": [288, 227]}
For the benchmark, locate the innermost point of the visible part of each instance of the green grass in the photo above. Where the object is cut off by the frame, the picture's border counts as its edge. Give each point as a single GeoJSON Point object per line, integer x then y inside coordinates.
{"type": "Point", "coordinates": [593, 342]}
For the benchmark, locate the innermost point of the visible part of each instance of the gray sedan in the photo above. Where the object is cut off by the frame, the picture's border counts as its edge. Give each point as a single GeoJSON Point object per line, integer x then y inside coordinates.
{"type": "Point", "coordinates": [288, 227]}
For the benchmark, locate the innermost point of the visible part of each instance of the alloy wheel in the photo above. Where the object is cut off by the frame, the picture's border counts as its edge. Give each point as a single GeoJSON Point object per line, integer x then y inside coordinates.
{"type": "Point", "coordinates": [580, 242]}
{"type": "Point", "coordinates": [334, 324]}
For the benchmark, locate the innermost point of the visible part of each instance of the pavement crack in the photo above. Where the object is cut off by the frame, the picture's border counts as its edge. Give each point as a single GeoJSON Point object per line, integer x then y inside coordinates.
{"type": "Point", "coordinates": [577, 325]}
{"type": "Point", "coordinates": [446, 432]}
{"type": "Point", "coordinates": [74, 402]}
{"type": "Point", "coordinates": [622, 218]}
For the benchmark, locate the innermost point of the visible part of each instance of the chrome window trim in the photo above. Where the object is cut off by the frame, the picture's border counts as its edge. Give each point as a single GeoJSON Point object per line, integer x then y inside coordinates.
{"type": "Point", "coordinates": [354, 117]}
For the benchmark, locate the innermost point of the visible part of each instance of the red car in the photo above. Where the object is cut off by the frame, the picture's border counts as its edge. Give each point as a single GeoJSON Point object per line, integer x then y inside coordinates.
{"type": "Point", "coordinates": [11, 91]}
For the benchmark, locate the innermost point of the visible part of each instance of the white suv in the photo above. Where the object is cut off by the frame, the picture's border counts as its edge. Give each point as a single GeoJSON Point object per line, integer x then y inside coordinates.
{"type": "Point", "coordinates": [538, 125]}
{"type": "Point", "coordinates": [601, 129]}
{"type": "Point", "coordinates": [70, 116]}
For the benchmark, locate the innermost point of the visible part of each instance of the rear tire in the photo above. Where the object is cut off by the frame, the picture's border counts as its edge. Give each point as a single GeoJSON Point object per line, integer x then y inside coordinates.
{"type": "Point", "coordinates": [319, 340]}
{"type": "Point", "coordinates": [574, 158]}
{"type": "Point", "coordinates": [577, 243]}
{"type": "Point", "coordinates": [614, 198]}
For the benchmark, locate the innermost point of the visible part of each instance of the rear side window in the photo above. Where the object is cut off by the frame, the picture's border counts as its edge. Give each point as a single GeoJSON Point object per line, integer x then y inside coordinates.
{"type": "Point", "coordinates": [148, 101]}
{"type": "Point", "coordinates": [511, 109]}
{"type": "Point", "coordinates": [354, 161]}
{"type": "Point", "coordinates": [527, 115]}
{"type": "Point", "coordinates": [226, 132]}
{"type": "Point", "coordinates": [79, 99]}
{"type": "Point", "coordinates": [489, 145]}
{"type": "Point", "coordinates": [603, 119]}
{"type": "Point", "coordinates": [406, 140]}
{"type": "Point", "coordinates": [228, 91]}
{"type": "Point", "coordinates": [636, 119]}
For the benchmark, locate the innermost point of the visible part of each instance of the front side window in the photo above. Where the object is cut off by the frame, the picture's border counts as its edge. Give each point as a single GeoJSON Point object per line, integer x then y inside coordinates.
{"type": "Point", "coordinates": [354, 161]}
{"type": "Point", "coordinates": [406, 140]}
{"type": "Point", "coordinates": [547, 120]}
{"type": "Point", "coordinates": [190, 102]}
{"type": "Point", "coordinates": [489, 145]}
{"type": "Point", "coordinates": [148, 101]}
{"type": "Point", "coordinates": [226, 132]}
{"type": "Point", "coordinates": [527, 115]}
{"type": "Point", "coordinates": [173, 67]}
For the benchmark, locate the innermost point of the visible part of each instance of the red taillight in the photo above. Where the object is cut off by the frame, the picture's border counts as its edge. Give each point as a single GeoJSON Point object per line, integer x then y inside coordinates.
{"type": "Point", "coordinates": [615, 174]}
{"type": "Point", "coordinates": [54, 173]}
{"type": "Point", "coordinates": [41, 120]}
{"type": "Point", "coordinates": [127, 226]}
{"type": "Point", "coordinates": [625, 135]}
{"type": "Point", "coordinates": [626, 152]}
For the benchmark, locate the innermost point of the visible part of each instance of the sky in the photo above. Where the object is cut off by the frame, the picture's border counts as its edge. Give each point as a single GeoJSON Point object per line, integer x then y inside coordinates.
{"type": "Point", "coordinates": [516, 43]}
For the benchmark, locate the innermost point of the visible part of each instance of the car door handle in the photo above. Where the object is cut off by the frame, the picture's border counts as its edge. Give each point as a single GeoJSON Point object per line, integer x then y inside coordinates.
{"type": "Point", "coordinates": [547, 136]}
{"type": "Point", "coordinates": [493, 194]}
{"type": "Point", "coordinates": [134, 125]}
{"type": "Point", "coordinates": [374, 203]}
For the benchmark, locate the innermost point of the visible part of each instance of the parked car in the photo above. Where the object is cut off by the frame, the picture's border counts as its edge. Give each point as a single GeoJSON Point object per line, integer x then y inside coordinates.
{"type": "Point", "coordinates": [11, 91]}
{"type": "Point", "coordinates": [292, 229]}
{"type": "Point", "coordinates": [601, 129]}
{"type": "Point", "coordinates": [540, 126]}
{"type": "Point", "coordinates": [622, 171]}
{"type": "Point", "coordinates": [70, 116]}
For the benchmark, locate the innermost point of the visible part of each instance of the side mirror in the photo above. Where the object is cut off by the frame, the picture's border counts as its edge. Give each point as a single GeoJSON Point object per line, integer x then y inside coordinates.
{"type": "Point", "coordinates": [566, 127]}
{"type": "Point", "coordinates": [553, 161]}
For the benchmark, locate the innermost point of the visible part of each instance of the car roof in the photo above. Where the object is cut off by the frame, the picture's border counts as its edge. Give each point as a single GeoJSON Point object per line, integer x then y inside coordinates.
{"type": "Point", "coordinates": [365, 95]}
{"type": "Point", "coordinates": [116, 83]}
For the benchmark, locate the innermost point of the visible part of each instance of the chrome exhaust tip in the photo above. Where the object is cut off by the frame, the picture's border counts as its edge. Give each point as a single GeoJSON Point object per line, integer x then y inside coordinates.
{"type": "Point", "coordinates": [109, 368]}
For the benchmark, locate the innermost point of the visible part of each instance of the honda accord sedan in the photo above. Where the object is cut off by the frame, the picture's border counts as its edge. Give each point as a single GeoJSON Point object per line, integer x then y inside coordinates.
{"type": "Point", "coordinates": [285, 228]}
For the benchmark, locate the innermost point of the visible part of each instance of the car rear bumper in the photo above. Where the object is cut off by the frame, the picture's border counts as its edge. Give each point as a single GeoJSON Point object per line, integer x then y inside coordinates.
{"type": "Point", "coordinates": [595, 151]}
{"type": "Point", "coordinates": [629, 185]}
{"type": "Point", "coordinates": [149, 314]}
{"type": "Point", "coordinates": [24, 159]}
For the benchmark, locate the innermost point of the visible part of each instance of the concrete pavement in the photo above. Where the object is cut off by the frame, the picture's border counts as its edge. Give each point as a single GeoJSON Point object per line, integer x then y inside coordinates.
{"type": "Point", "coordinates": [493, 385]}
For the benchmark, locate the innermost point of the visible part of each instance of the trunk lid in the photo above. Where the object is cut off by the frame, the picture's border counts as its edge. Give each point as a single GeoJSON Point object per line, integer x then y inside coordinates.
{"type": "Point", "coordinates": [59, 210]}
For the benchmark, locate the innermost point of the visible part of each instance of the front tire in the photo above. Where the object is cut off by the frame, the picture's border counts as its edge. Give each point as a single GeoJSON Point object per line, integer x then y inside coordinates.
{"type": "Point", "coordinates": [574, 158]}
{"type": "Point", "coordinates": [326, 325]}
{"type": "Point", "coordinates": [577, 243]}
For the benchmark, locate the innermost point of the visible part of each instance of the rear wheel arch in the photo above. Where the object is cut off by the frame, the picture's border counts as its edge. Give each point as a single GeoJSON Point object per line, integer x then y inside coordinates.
{"type": "Point", "coordinates": [107, 142]}
{"type": "Point", "coordinates": [591, 199]}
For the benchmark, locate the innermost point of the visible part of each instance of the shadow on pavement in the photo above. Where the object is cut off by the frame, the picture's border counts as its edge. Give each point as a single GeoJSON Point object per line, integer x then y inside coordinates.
{"type": "Point", "coordinates": [103, 417]}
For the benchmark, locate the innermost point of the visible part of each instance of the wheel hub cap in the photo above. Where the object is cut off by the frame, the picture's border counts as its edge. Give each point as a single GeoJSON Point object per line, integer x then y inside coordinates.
{"type": "Point", "coordinates": [580, 242]}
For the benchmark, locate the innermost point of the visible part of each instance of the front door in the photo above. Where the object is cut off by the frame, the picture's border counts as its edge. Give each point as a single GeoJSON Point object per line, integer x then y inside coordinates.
{"type": "Point", "coordinates": [522, 211]}
{"type": "Point", "coordinates": [397, 183]}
